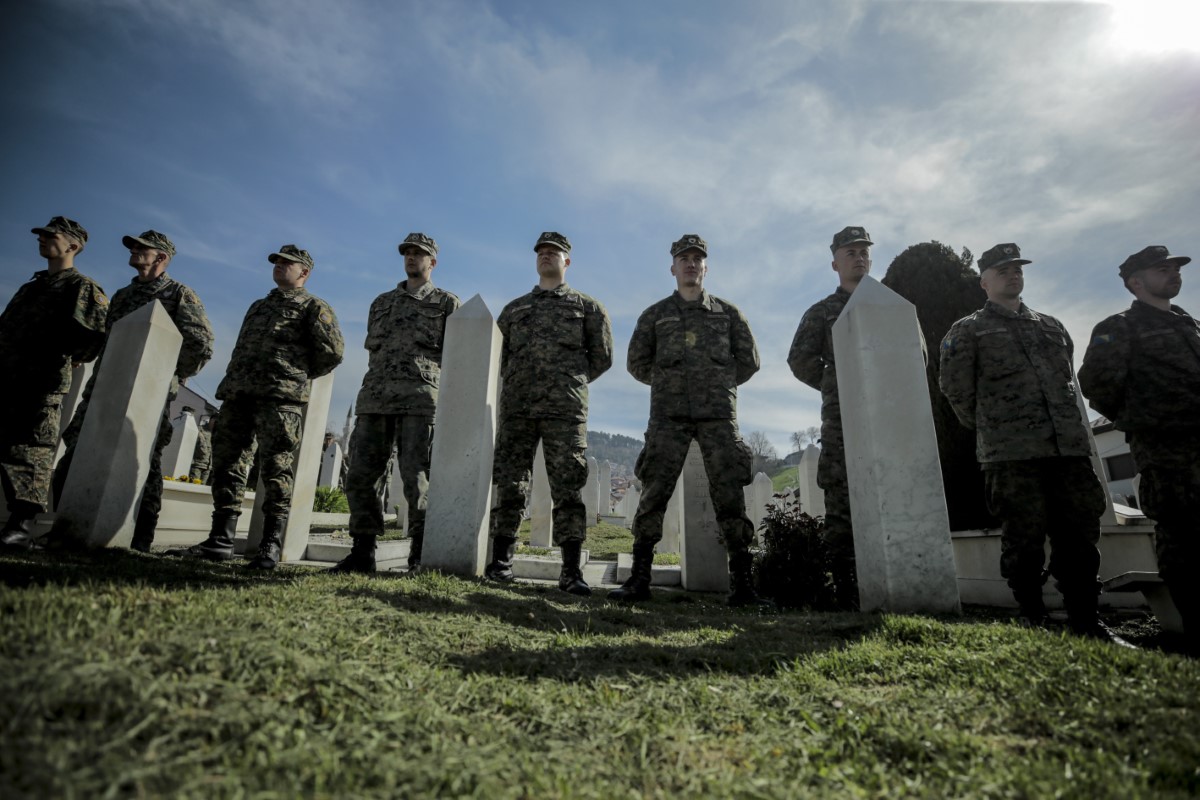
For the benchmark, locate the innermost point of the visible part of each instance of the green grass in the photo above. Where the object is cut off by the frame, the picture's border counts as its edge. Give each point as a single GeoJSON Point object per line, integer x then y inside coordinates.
{"type": "Point", "coordinates": [127, 676]}
{"type": "Point", "coordinates": [785, 478]}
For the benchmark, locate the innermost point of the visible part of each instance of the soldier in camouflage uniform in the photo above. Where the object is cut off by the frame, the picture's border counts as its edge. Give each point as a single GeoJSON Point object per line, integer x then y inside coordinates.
{"type": "Point", "coordinates": [150, 254]}
{"type": "Point", "coordinates": [694, 350]}
{"type": "Point", "coordinates": [287, 338]}
{"type": "Point", "coordinates": [1007, 372]}
{"type": "Point", "coordinates": [811, 360]}
{"type": "Point", "coordinates": [202, 457]}
{"type": "Point", "coordinates": [54, 321]}
{"type": "Point", "coordinates": [556, 342]}
{"type": "Point", "coordinates": [1142, 371]}
{"type": "Point", "coordinates": [405, 331]}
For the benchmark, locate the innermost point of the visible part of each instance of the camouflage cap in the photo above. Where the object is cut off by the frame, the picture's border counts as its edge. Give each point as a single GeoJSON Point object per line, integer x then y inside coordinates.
{"type": "Point", "coordinates": [848, 236]}
{"type": "Point", "coordinates": [289, 252]}
{"type": "Point", "coordinates": [555, 238]}
{"type": "Point", "coordinates": [65, 226]}
{"type": "Point", "coordinates": [152, 239]}
{"type": "Point", "coordinates": [421, 242]}
{"type": "Point", "coordinates": [689, 241]}
{"type": "Point", "coordinates": [1001, 254]}
{"type": "Point", "coordinates": [1151, 256]}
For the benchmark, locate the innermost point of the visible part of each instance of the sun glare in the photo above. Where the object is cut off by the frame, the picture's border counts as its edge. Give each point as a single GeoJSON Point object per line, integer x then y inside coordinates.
{"type": "Point", "coordinates": [1155, 26]}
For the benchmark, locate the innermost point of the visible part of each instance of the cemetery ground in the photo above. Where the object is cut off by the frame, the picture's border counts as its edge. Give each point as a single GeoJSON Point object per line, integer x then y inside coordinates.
{"type": "Point", "coordinates": [127, 675]}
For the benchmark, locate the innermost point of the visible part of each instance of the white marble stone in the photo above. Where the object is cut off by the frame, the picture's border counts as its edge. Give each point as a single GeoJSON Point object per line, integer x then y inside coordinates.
{"type": "Point", "coordinates": [112, 457]}
{"type": "Point", "coordinates": [177, 455]}
{"type": "Point", "coordinates": [306, 468]}
{"type": "Point", "coordinates": [812, 497]}
{"type": "Point", "coordinates": [901, 527]}
{"type": "Point", "coordinates": [633, 496]}
{"type": "Point", "coordinates": [456, 522]}
{"type": "Point", "coordinates": [331, 466]}
{"type": "Point", "coordinates": [591, 492]}
{"type": "Point", "coordinates": [702, 557]}
{"type": "Point", "coordinates": [606, 506]}
{"type": "Point", "coordinates": [760, 493]}
{"type": "Point", "coordinates": [79, 377]}
{"type": "Point", "coordinates": [1109, 517]}
{"type": "Point", "coordinates": [541, 505]}
{"type": "Point", "coordinates": [672, 529]}
{"type": "Point", "coordinates": [396, 499]}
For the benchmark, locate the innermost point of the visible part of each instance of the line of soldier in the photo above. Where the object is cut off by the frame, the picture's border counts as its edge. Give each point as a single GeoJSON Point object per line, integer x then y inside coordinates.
{"type": "Point", "coordinates": [1006, 369]}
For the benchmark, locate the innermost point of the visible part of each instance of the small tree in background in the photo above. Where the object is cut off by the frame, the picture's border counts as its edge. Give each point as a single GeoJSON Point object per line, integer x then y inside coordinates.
{"type": "Point", "coordinates": [763, 451]}
{"type": "Point", "coordinates": [944, 288]}
{"type": "Point", "coordinates": [802, 439]}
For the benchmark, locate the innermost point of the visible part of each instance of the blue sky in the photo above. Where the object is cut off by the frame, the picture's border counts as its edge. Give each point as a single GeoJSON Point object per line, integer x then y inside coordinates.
{"type": "Point", "coordinates": [235, 127]}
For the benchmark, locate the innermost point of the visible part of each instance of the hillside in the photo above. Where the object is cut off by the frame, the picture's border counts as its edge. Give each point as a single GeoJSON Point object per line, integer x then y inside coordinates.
{"type": "Point", "coordinates": [621, 451]}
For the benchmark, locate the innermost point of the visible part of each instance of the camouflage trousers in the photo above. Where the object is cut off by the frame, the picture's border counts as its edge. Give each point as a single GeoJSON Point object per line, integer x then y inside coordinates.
{"type": "Point", "coordinates": [152, 489]}
{"type": "Point", "coordinates": [1170, 495]}
{"type": "Point", "coordinates": [248, 424]}
{"type": "Point", "coordinates": [727, 461]}
{"type": "Point", "coordinates": [28, 440]}
{"type": "Point", "coordinates": [838, 533]}
{"type": "Point", "coordinates": [1056, 498]}
{"type": "Point", "coordinates": [371, 447]}
{"type": "Point", "coordinates": [564, 442]}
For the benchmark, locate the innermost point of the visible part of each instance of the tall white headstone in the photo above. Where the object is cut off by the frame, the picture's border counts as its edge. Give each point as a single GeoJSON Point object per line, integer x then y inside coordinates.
{"type": "Point", "coordinates": [672, 529]}
{"type": "Point", "coordinates": [177, 455]}
{"type": "Point", "coordinates": [761, 492]}
{"type": "Point", "coordinates": [633, 496]}
{"type": "Point", "coordinates": [1109, 517]}
{"type": "Point", "coordinates": [704, 564]}
{"type": "Point", "coordinates": [331, 466]}
{"type": "Point", "coordinates": [396, 499]}
{"type": "Point", "coordinates": [79, 377]}
{"type": "Point", "coordinates": [901, 526]}
{"type": "Point", "coordinates": [606, 487]}
{"type": "Point", "coordinates": [812, 497]}
{"type": "Point", "coordinates": [112, 457]}
{"type": "Point", "coordinates": [541, 505]}
{"type": "Point", "coordinates": [591, 492]}
{"type": "Point", "coordinates": [456, 522]}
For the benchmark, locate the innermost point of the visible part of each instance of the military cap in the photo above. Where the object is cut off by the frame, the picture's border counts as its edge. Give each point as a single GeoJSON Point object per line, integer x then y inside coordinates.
{"type": "Point", "coordinates": [152, 239]}
{"type": "Point", "coordinates": [1151, 256]}
{"type": "Point", "coordinates": [65, 226]}
{"type": "Point", "coordinates": [289, 252]}
{"type": "Point", "coordinates": [555, 238]}
{"type": "Point", "coordinates": [1000, 255]}
{"type": "Point", "coordinates": [849, 235]}
{"type": "Point", "coordinates": [689, 241]}
{"type": "Point", "coordinates": [421, 242]}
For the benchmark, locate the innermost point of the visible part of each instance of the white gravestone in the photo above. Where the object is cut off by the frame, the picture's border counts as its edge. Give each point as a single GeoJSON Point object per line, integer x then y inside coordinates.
{"type": "Point", "coordinates": [704, 564]}
{"type": "Point", "coordinates": [759, 493]}
{"type": "Point", "coordinates": [460, 495]}
{"type": "Point", "coordinates": [812, 497]}
{"type": "Point", "coordinates": [633, 496]}
{"type": "Point", "coordinates": [331, 466]}
{"type": "Point", "coordinates": [606, 488]}
{"type": "Point", "coordinates": [673, 520]}
{"type": "Point", "coordinates": [396, 498]}
{"type": "Point", "coordinates": [591, 492]}
{"type": "Point", "coordinates": [177, 455]}
{"type": "Point", "coordinates": [112, 457]}
{"type": "Point", "coordinates": [79, 377]}
{"type": "Point", "coordinates": [1109, 517]}
{"type": "Point", "coordinates": [305, 468]}
{"type": "Point", "coordinates": [901, 527]}
{"type": "Point", "coordinates": [541, 505]}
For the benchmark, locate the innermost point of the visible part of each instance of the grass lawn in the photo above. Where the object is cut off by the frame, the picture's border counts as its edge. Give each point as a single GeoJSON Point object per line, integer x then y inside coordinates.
{"type": "Point", "coordinates": [785, 478]}
{"type": "Point", "coordinates": [124, 675]}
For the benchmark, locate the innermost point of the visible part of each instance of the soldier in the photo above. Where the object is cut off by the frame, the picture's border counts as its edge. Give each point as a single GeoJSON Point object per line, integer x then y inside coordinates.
{"type": "Point", "coordinates": [405, 330]}
{"type": "Point", "coordinates": [149, 254]}
{"type": "Point", "coordinates": [54, 321]}
{"type": "Point", "coordinates": [287, 338]}
{"type": "Point", "coordinates": [694, 350]}
{"type": "Point", "coordinates": [1007, 372]}
{"type": "Point", "coordinates": [202, 457]}
{"type": "Point", "coordinates": [556, 342]}
{"type": "Point", "coordinates": [1142, 371]}
{"type": "Point", "coordinates": [811, 361]}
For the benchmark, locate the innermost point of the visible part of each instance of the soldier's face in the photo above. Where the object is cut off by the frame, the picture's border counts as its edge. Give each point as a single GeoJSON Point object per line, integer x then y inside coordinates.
{"type": "Point", "coordinates": [55, 245]}
{"type": "Point", "coordinates": [289, 274]}
{"type": "Point", "coordinates": [1005, 282]}
{"type": "Point", "coordinates": [689, 268]}
{"type": "Point", "coordinates": [148, 262]}
{"type": "Point", "coordinates": [852, 263]}
{"type": "Point", "coordinates": [551, 262]}
{"type": "Point", "coordinates": [1162, 282]}
{"type": "Point", "coordinates": [418, 264]}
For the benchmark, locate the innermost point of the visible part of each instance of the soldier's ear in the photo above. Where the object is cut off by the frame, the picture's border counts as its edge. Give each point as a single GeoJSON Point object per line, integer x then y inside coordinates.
{"type": "Point", "coordinates": [566, 261]}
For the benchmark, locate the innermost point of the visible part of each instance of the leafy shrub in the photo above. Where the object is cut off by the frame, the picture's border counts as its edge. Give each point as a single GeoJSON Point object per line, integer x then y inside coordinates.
{"type": "Point", "coordinates": [329, 500]}
{"type": "Point", "coordinates": [793, 568]}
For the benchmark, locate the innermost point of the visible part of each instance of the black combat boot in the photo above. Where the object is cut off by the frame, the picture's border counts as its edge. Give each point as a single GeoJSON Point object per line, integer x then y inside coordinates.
{"type": "Point", "coordinates": [1083, 618]}
{"type": "Point", "coordinates": [219, 544]}
{"type": "Point", "coordinates": [18, 531]}
{"type": "Point", "coordinates": [270, 548]}
{"type": "Point", "coordinates": [503, 550]}
{"type": "Point", "coordinates": [415, 542]}
{"type": "Point", "coordinates": [361, 558]}
{"type": "Point", "coordinates": [570, 580]}
{"type": "Point", "coordinates": [1031, 607]}
{"type": "Point", "coordinates": [741, 581]}
{"type": "Point", "coordinates": [637, 588]}
{"type": "Point", "coordinates": [143, 530]}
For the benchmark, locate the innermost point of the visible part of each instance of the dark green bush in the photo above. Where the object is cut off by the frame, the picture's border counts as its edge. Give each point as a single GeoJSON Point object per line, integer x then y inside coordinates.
{"type": "Point", "coordinates": [793, 567]}
{"type": "Point", "coordinates": [331, 501]}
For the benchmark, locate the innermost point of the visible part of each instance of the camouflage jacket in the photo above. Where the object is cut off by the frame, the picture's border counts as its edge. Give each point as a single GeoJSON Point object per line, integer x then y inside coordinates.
{"type": "Point", "coordinates": [404, 340]}
{"type": "Point", "coordinates": [1009, 376]}
{"type": "Point", "coordinates": [556, 342]}
{"type": "Point", "coordinates": [287, 338]}
{"type": "Point", "coordinates": [694, 355]}
{"type": "Point", "coordinates": [51, 321]}
{"type": "Point", "coordinates": [185, 310]}
{"type": "Point", "coordinates": [1142, 369]}
{"type": "Point", "coordinates": [811, 354]}
{"type": "Point", "coordinates": [202, 455]}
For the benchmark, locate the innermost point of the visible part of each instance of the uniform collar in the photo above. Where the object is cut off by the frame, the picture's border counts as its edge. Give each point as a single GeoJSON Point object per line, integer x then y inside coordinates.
{"type": "Point", "coordinates": [1022, 312]}
{"type": "Point", "coordinates": [152, 286]}
{"type": "Point", "coordinates": [561, 289]}
{"type": "Point", "coordinates": [423, 291]}
{"type": "Point", "coordinates": [704, 302]}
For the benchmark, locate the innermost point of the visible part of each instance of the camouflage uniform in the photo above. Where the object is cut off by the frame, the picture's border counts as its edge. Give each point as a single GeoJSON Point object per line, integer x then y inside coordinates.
{"type": "Point", "coordinates": [693, 355]}
{"type": "Point", "coordinates": [1142, 371]}
{"type": "Point", "coordinates": [201, 466]}
{"type": "Point", "coordinates": [1008, 375]}
{"type": "Point", "coordinates": [187, 312]}
{"type": "Point", "coordinates": [51, 322]}
{"type": "Point", "coordinates": [556, 342]}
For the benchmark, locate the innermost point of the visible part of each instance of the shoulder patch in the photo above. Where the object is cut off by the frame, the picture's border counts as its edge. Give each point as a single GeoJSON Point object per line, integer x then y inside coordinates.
{"type": "Point", "coordinates": [948, 342]}
{"type": "Point", "coordinates": [1104, 338]}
